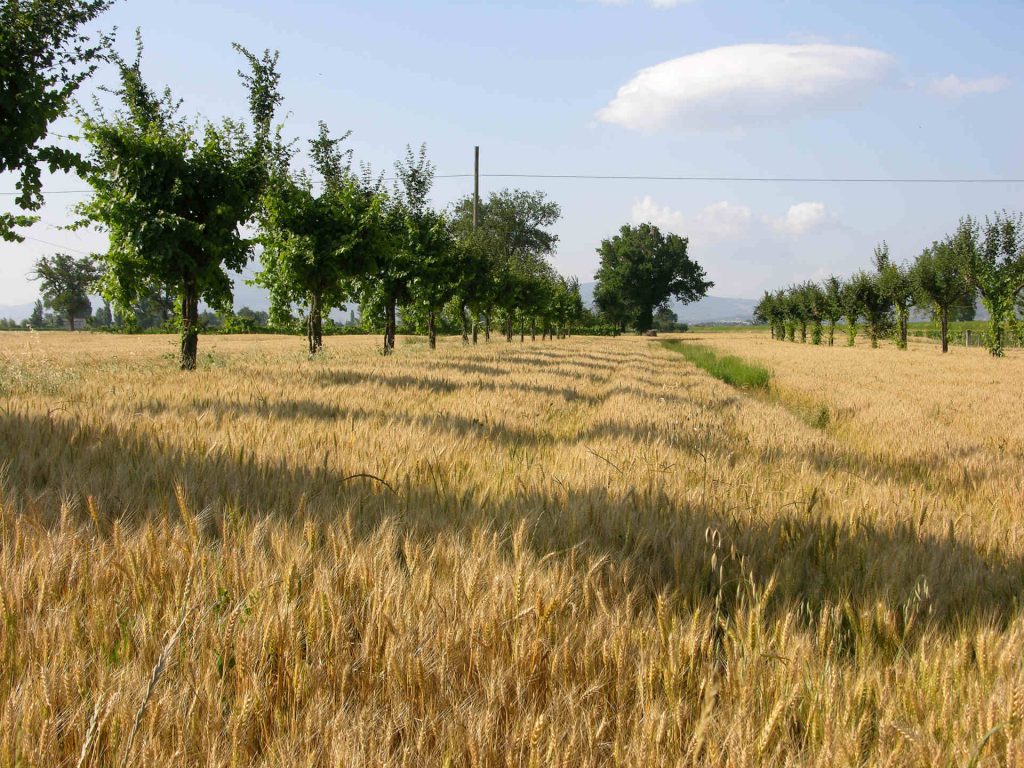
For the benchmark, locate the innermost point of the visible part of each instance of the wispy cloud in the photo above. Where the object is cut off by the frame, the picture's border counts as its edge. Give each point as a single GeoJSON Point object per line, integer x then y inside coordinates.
{"type": "Point", "coordinates": [954, 87]}
{"type": "Point", "coordinates": [740, 84]}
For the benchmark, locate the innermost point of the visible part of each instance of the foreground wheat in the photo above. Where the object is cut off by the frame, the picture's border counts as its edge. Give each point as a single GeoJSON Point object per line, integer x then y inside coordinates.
{"type": "Point", "coordinates": [584, 552]}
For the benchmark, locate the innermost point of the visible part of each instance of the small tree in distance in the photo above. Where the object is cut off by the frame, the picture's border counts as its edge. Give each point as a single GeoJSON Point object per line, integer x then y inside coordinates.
{"type": "Point", "coordinates": [940, 283]}
{"type": "Point", "coordinates": [641, 268]}
{"type": "Point", "coordinates": [895, 285]}
{"type": "Point", "coordinates": [66, 283]}
{"type": "Point", "coordinates": [833, 305]}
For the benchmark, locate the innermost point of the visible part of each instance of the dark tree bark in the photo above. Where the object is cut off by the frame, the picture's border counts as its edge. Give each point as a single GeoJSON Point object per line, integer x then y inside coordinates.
{"type": "Point", "coordinates": [315, 325]}
{"type": "Point", "coordinates": [533, 329]}
{"type": "Point", "coordinates": [432, 329]}
{"type": "Point", "coordinates": [476, 327]}
{"type": "Point", "coordinates": [71, 321]}
{"type": "Point", "coordinates": [944, 320]}
{"type": "Point", "coordinates": [465, 325]}
{"type": "Point", "coordinates": [389, 327]}
{"type": "Point", "coordinates": [487, 327]}
{"type": "Point", "coordinates": [189, 328]}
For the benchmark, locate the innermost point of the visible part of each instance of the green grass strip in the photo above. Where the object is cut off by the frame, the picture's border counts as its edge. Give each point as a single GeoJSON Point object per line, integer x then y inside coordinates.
{"type": "Point", "coordinates": [730, 369]}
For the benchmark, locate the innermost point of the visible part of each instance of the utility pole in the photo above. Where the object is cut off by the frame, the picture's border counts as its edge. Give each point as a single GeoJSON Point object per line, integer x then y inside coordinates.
{"type": "Point", "coordinates": [476, 183]}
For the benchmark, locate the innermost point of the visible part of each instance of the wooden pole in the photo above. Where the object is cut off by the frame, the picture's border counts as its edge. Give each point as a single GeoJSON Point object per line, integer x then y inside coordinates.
{"type": "Point", "coordinates": [476, 183]}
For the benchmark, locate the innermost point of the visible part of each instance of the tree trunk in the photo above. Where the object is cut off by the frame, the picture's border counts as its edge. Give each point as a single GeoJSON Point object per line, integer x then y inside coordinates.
{"type": "Point", "coordinates": [522, 330]}
{"type": "Point", "coordinates": [533, 329]}
{"type": "Point", "coordinates": [487, 327]}
{"type": "Point", "coordinates": [315, 325]}
{"type": "Point", "coordinates": [432, 329]}
{"type": "Point", "coordinates": [944, 321]}
{"type": "Point", "coordinates": [646, 320]}
{"type": "Point", "coordinates": [389, 327]}
{"type": "Point", "coordinates": [189, 328]}
{"type": "Point", "coordinates": [508, 330]}
{"type": "Point", "coordinates": [831, 332]}
{"type": "Point", "coordinates": [71, 321]}
{"type": "Point", "coordinates": [901, 339]}
{"type": "Point", "coordinates": [465, 325]}
{"type": "Point", "coordinates": [476, 327]}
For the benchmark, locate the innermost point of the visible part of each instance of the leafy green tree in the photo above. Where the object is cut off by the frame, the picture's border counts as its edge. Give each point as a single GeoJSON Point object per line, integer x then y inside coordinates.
{"type": "Point", "coordinates": [103, 317]}
{"type": "Point", "coordinates": [511, 243]}
{"type": "Point", "coordinates": [314, 245]}
{"type": "Point", "coordinates": [851, 309]}
{"type": "Point", "coordinates": [993, 257]}
{"type": "Point", "coordinates": [940, 283]}
{"type": "Point", "coordinates": [45, 56]}
{"type": "Point", "coordinates": [833, 305]}
{"type": "Point", "coordinates": [66, 283]}
{"type": "Point", "coordinates": [895, 284]}
{"type": "Point", "coordinates": [791, 311]}
{"type": "Point", "coordinates": [434, 264]}
{"type": "Point", "coordinates": [813, 298]}
{"type": "Point", "coordinates": [36, 318]}
{"type": "Point", "coordinates": [172, 195]}
{"type": "Point", "coordinates": [642, 268]}
{"type": "Point", "coordinates": [874, 305]}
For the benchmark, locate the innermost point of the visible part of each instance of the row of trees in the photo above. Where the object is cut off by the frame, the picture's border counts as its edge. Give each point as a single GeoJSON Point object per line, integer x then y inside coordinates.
{"type": "Point", "coordinates": [177, 196]}
{"type": "Point", "coordinates": [983, 259]}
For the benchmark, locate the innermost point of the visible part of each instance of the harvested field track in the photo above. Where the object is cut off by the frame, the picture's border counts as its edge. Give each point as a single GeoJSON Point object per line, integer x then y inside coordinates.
{"type": "Point", "coordinates": [580, 552]}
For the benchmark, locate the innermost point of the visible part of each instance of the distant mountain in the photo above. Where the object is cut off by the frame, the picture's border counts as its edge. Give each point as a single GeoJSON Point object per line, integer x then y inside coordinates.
{"type": "Point", "coordinates": [16, 311]}
{"type": "Point", "coordinates": [710, 309]}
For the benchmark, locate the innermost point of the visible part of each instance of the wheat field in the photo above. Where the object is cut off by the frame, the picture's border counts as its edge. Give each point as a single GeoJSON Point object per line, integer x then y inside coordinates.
{"type": "Point", "coordinates": [564, 553]}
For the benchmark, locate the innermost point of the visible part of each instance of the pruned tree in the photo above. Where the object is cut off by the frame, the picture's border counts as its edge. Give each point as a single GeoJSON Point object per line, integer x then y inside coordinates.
{"type": "Point", "coordinates": [172, 194]}
{"type": "Point", "coordinates": [641, 268]}
{"type": "Point", "coordinates": [851, 310]}
{"type": "Point", "coordinates": [940, 283]}
{"type": "Point", "coordinates": [897, 286]}
{"type": "Point", "coordinates": [874, 305]}
{"type": "Point", "coordinates": [993, 258]}
{"type": "Point", "coordinates": [833, 305]}
{"type": "Point", "coordinates": [45, 56]}
{"type": "Point", "coordinates": [314, 245]}
{"type": "Point", "coordinates": [66, 283]}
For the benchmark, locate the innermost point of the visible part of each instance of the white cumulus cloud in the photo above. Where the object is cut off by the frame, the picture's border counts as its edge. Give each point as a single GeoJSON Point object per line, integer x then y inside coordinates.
{"type": "Point", "coordinates": [717, 222]}
{"type": "Point", "coordinates": [802, 218]}
{"type": "Point", "coordinates": [739, 84]}
{"type": "Point", "coordinates": [954, 87]}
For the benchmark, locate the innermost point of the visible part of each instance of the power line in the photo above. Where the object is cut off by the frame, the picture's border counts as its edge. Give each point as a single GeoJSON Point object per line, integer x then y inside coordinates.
{"type": "Point", "coordinates": [625, 177]}
{"type": "Point", "coordinates": [57, 245]}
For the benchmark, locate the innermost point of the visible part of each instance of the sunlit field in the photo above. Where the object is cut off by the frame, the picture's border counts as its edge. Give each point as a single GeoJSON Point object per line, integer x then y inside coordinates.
{"type": "Point", "coordinates": [578, 552]}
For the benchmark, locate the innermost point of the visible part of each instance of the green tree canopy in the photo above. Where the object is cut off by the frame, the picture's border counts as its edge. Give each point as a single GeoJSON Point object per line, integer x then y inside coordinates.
{"type": "Point", "coordinates": [315, 244]}
{"type": "Point", "coordinates": [45, 56]}
{"type": "Point", "coordinates": [895, 284]}
{"type": "Point", "coordinates": [641, 268]}
{"type": "Point", "coordinates": [940, 283]}
{"type": "Point", "coordinates": [66, 283]}
{"type": "Point", "coordinates": [993, 258]}
{"type": "Point", "coordinates": [172, 194]}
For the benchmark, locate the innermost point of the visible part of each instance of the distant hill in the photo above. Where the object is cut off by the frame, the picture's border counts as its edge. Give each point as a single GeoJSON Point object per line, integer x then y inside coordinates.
{"type": "Point", "coordinates": [16, 311]}
{"type": "Point", "coordinates": [710, 309]}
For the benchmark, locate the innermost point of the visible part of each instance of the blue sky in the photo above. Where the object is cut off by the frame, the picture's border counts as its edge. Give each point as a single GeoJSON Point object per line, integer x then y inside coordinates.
{"type": "Point", "coordinates": [647, 87]}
